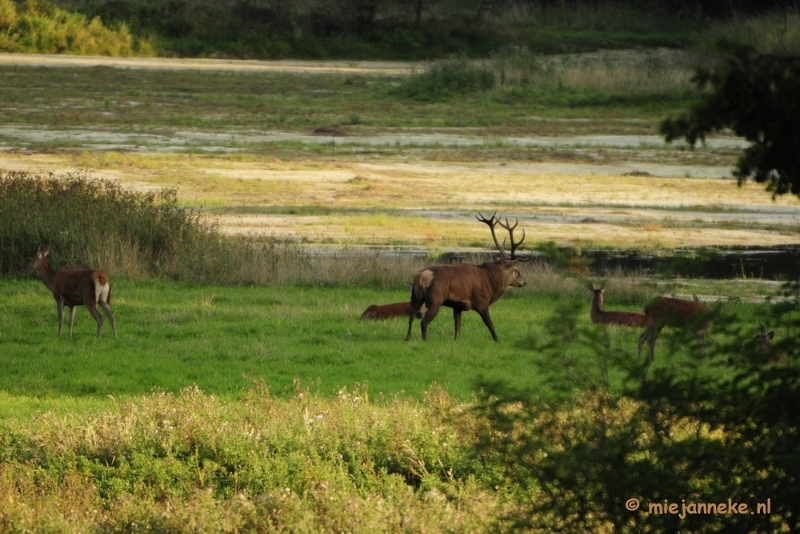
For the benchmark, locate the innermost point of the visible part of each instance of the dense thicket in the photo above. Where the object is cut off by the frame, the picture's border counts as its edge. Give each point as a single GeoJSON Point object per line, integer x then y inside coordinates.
{"type": "Point", "coordinates": [96, 223]}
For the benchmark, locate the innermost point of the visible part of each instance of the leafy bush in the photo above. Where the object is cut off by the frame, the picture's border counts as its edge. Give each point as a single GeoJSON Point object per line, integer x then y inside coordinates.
{"type": "Point", "coordinates": [195, 463]}
{"type": "Point", "coordinates": [38, 26]}
{"type": "Point", "coordinates": [446, 79]}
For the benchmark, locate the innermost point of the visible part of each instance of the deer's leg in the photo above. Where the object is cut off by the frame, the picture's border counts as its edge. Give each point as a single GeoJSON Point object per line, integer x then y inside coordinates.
{"type": "Point", "coordinates": [701, 340]}
{"type": "Point", "coordinates": [488, 322]}
{"type": "Point", "coordinates": [415, 308]}
{"type": "Point", "coordinates": [60, 304]}
{"type": "Point", "coordinates": [652, 343]}
{"type": "Point", "coordinates": [72, 310]}
{"type": "Point", "coordinates": [644, 337]}
{"type": "Point", "coordinates": [97, 317]}
{"type": "Point", "coordinates": [430, 315]}
{"type": "Point", "coordinates": [107, 309]}
{"type": "Point", "coordinates": [457, 318]}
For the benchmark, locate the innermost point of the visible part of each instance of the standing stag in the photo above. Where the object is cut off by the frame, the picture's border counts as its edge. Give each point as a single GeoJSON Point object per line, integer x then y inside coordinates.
{"type": "Point", "coordinates": [677, 313]}
{"type": "Point", "coordinates": [75, 287]}
{"type": "Point", "coordinates": [600, 316]}
{"type": "Point", "coordinates": [465, 287]}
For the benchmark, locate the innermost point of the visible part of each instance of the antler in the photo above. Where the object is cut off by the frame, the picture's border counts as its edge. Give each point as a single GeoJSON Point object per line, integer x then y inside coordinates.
{"type": "Point", "coordinates": [514, 246]}
{"type": "Point", "coordinates": [491, 222]}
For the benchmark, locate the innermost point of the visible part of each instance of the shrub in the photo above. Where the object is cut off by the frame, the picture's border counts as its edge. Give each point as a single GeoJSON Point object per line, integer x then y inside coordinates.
{"type": "Point", "coordinates": [38, 26]}
{"type": "Point", "coordinates": [97, 223]}
{"type": "Point", "coordinates": [446, 79]}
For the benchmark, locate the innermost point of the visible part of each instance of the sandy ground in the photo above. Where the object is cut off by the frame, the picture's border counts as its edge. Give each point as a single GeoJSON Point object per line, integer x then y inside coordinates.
{"type": "Point", "coordinates": [290, 66]}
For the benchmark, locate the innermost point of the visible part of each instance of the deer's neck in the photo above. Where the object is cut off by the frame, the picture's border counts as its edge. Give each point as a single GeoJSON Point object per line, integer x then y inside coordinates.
{"type": "Point", "coordinates": [597, 306]}
{"type": "Point", "coordinates": [46, 273]}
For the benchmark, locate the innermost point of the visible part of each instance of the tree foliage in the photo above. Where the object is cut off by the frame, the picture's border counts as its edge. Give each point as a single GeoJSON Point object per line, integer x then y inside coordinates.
{"type": "Point", "coordinates": [755, 95]}
{"type": "Point", "coordinates": [722, 431]}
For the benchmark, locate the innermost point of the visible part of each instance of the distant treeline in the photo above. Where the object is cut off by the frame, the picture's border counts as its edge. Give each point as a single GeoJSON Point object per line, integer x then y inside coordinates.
{"type": "Point", "coordinates": [394, 29]}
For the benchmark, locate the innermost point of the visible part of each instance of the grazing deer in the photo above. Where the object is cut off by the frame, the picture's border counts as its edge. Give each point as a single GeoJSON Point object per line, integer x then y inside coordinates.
{"type": "Point", "coordinates": [74, 287]}
{"type": "Point", "coordinates": [465, 287]}
{"type": "Point", "coordinates": [760, 347]}
{"type": "Point", "coordinates": [600, 316]}
{"type": "Point", "coordinates": [678, 313]}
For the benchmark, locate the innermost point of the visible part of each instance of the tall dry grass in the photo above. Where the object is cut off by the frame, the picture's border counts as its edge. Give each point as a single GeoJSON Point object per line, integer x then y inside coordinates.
{"type": "Point", "coordinates": [658, 70]}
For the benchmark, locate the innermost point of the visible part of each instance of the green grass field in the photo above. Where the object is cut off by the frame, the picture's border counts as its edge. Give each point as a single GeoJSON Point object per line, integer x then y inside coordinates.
{"type": "Point", "coordinates": [219, 338]}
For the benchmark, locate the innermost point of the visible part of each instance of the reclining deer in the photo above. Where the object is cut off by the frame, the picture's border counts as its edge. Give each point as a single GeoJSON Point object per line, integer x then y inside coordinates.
{"type": "Point", "coordinates": [388, 311]}
{"type": "Point", "coordinates": [465, 287]}
{"type": "Point", "coordinates": [620, 318]}
{"type": "Point", "coordinates": [74, 287]}
{"type": "Point", "coordinates": [762, 350]}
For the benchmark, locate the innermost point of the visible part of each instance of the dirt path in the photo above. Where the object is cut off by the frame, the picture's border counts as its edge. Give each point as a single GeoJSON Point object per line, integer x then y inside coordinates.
{"type": "Point", "coordinates": [391, 68]}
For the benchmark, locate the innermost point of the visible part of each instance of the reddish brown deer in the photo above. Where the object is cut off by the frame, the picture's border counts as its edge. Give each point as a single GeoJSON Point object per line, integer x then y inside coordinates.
{"type": "Point", "coordinates": [620, 318]}
{"type": "Point", "coordinates": [677, 313]}
{"type": "Point", "coordinates": [388, 311]}
{"type": "Point", "coordinates": [75, 287]}
{"type": "Point", "coordinates": [465, 287]}
{"type": "Point", "coordinates": [762, 349]}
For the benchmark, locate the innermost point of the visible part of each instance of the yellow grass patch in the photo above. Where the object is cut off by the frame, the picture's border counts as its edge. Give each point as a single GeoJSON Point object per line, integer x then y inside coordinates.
{"type": "Point", "coordinates": [433, 204]}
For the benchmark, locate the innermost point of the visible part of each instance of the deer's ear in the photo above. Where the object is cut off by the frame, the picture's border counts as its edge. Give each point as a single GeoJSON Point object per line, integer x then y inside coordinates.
{"type": "Point", "coordinates": [510, 263]}
{"type": "Point", "coordinates": [46, 251]}
{"type": "Point", "coordinates": [770, 335]}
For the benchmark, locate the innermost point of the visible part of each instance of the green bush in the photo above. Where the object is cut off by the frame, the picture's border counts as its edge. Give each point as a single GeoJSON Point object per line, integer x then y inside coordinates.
{"type": "Point", "coordinates": [446, 79]}
{"type": "Point", "coordinates": [38, 26]}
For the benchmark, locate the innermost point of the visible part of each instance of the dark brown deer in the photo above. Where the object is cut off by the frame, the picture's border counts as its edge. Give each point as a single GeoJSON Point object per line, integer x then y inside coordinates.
{"type": "Point", "coordinates": [75, 287]}
{"type": "Point", "coordinates": [677, 313]}
{"type": "Point", "coordinates": [762, 349]}
{"type": "Point", "coordinates": [620, 318]}
{"type": "Point", "coordinates": [465, 287]}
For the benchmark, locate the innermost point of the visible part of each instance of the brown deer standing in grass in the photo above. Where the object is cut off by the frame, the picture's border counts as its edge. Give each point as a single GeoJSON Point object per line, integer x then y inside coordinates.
{"type": "Point", "coordinates": [677, 313]}
{"type": "Point", "coordinates": [465, 287]}
{"type": "Point", "coordinates": [762, 349]}
{"type": "Point", "coordinates": [75, 287]}
{"type": "Point", "coordinates": [600, 316]}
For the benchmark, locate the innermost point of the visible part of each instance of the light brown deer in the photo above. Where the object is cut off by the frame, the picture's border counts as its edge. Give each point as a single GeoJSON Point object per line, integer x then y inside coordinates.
{"type": "Point", "coordinates": [75, 287]}
{"type": "Point", "coordinates": [621, 318]}
{"type": "Point", "coordinates": [677, 313]}
{"type": "Point", "coordinates": [762, 349]}
{"type": "Point", "coordinates": [465, 287]}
